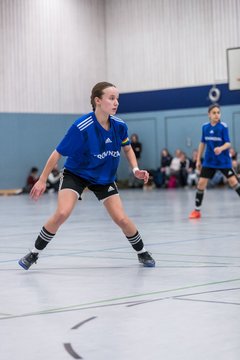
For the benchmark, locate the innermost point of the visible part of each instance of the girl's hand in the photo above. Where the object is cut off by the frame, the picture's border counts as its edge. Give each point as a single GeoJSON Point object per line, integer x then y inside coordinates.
{"type": "Point", "coordinates": [142, 175]}
{"type": "Point", "coordinates": [198, 165]}
{"type": "Point", "coordinates": [217, 150]}
{"type": "Point", "coordinates": [38, 189]}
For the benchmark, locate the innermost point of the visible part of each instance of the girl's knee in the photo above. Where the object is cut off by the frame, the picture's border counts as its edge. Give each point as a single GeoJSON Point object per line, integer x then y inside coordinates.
{"type": "Point", "coordinates": [122, 221]}
{"type": "Point", "coordinates": [61, 216]}
{"type": "Point", "coordinates": [232, 181]}
{"type": "Point", "coordinates": [202, 184]}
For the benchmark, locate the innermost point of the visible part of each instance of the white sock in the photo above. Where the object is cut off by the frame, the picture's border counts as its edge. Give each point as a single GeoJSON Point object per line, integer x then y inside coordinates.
{"type": "Point", "coordinates": [142, 251]}
{"type": "Point", "coordinates": [34, 250]}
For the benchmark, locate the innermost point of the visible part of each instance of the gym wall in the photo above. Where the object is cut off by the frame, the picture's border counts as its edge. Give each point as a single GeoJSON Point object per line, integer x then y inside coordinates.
{"type": "Point", "coordinates": [53, 52]}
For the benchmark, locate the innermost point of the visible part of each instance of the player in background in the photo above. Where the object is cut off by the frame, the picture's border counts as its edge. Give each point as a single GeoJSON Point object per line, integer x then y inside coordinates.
{"type": "Point", "coordinates": [92, 146]}
{"type": "Point", "coordinates": [215, 138]}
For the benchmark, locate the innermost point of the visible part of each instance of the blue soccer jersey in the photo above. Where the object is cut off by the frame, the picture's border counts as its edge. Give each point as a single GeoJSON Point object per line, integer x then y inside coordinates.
{"type": "Point", "coordinates": [93, 152]}
{"type": "Point", "coordinates": [214, 136]}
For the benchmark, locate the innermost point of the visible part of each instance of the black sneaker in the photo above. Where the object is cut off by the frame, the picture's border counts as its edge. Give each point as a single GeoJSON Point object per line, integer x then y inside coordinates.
{"type": "Point", "coordinates": [146, 259]}
{"type": "Point", "coordinates": [28, 260]}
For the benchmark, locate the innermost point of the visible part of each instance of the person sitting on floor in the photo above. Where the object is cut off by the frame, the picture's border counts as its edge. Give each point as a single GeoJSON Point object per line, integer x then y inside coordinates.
{"type": "Point", "coordinates": [31, 180]}
{"type": "Point", "coordinates": [53, 179]}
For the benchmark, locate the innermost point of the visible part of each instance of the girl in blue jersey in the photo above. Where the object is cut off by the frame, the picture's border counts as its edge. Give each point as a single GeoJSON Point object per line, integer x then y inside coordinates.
{"type": "Point", "coordinates": [92, 146]}
{"type": "Point", "coordinates": [217, 157]}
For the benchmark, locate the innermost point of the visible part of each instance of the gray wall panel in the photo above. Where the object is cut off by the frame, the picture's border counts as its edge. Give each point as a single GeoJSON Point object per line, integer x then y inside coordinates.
{"type": "Point", "coordinates": [51, 54]}
{"type": "Point", "coordinates": [236, 130]}
{"type": "Point", "coordinates": [28, 139]}
{"type": "Point", "coordinates": [184, 130]}
{"type": "Point", "coordinates": [161, 44]}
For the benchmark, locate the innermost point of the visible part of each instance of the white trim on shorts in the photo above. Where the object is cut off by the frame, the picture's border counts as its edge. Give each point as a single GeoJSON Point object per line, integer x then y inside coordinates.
{"type": "Point", "coordinates": [78, 196]}
{"type": "Point", "coordinates": [102, 201]}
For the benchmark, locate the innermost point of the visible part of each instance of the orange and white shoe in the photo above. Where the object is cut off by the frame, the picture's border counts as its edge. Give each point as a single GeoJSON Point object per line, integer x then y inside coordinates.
{"type": "Point", "coordinates": [195, 214]}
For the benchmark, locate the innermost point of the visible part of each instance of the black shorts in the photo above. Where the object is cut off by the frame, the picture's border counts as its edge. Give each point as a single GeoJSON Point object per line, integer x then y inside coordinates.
{"type": "Point", "coordinates": [208, 173]}
{"type": "Point", "coordinates": [77, 184]}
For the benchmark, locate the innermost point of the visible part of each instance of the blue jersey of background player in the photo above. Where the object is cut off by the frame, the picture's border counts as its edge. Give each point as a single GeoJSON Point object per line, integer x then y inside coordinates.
{"type": "Point", "coordinates": [215, 138]}
{"type": "Point", "coordinates": [92, 146]}
{"type": "Point", "coordinates": [94, 152]}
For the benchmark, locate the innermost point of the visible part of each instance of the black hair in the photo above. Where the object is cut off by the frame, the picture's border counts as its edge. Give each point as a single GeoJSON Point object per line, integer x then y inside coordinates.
{"type": "Point", "coordinates": [212, 106]}
{"type": "Point", "coordinates": [34, 169]}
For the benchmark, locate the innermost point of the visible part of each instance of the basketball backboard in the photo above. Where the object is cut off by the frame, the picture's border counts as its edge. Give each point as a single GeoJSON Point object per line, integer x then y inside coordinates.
{"type": "Point", "coordinates": [233, 68]}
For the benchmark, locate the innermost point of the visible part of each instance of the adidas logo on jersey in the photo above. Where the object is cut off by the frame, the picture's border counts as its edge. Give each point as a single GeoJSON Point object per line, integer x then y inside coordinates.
{"type": "Point", "coordinates": [110, 189]}
{"type": "Point", "coordinates": [107, 141]}
{"type": "Point", "coordinates": [230, 172]}
{"type": "Point", "coordinates": [211, 132]}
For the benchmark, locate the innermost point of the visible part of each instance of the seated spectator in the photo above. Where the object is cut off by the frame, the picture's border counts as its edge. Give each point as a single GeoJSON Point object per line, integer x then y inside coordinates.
{"type": "Point", "coordinates": [166, 159]}
{"type": "Point", "coordinates": [193, 173]}
{"type": "Point", "coordinates": [183, 172]}
{"type": "Point", "coordinates": [217, 180]}
{"type": "Point", "coordinates": [53, 180]}
{"type": "Point", "coordinates": [234, 158]}
{"type": "Point", "coordinates": [31, 180]}
{"type": "Point", "coordinates": [235, 161]}
{"type": "Point", "coordinates": [161, 175]}
{"type": "Point", "coordinates": [175, 170]}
